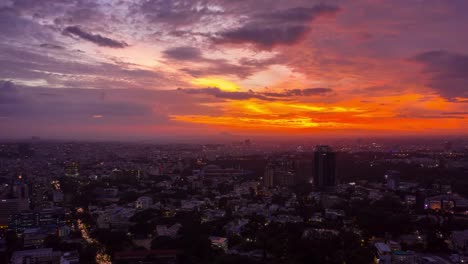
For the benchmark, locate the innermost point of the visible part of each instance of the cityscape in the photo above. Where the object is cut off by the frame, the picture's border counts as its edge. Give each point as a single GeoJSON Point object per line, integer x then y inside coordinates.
{"type": "Point", "coordinates": [347, 202]}
{"type": "Point", "coordinates": [233, 131]}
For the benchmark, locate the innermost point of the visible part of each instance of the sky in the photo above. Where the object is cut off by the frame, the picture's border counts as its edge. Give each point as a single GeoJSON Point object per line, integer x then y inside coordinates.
{"type": "Point", "coordinates": [116, 69]}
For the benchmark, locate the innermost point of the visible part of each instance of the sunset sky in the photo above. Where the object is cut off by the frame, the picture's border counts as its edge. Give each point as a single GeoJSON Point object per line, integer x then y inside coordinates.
{"type": "Point", "coordinates": [158, 68]}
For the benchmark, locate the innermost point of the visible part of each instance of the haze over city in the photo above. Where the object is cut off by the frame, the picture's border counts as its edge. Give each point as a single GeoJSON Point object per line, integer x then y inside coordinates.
{"type": "Point", "coordinates": [157, 69]}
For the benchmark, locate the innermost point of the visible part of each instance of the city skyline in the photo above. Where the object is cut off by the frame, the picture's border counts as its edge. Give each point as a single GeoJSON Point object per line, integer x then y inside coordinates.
{"type": "Point", "coordinates": [192, 69]}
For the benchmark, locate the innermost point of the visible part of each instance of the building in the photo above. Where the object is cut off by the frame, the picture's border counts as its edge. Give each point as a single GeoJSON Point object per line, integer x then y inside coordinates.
{"type": "Point", "coordinates": [219, 242]}
{"type": "Point", "coordinates": [162, 230]}
{"type": "Point", "coordinates": [392, 179]}
{"type": "Point", "coordinates": [214, 171]}
{"type": "Point", "coordinates": [20, 191]}
{"type": "Point", "coordinates": [57, 196]}
{"type": "Point", "coordinates": [17, 201]}
{"type": "Point", "coordinates": [34, 237]}
{"type": "Point", "coordinates": [325, 167]}
{"type": "Point", "coordinates": [7, 208]}
{"type": "Point", "coordinates": [404, 257]}
{"type": "Point", "coordinates": [269, 175]}
{"type": "Point", "coordinates": [71, 169]}
{"type": "Point", "coordinates": [460, 241]}
{"type": "Point", "coordinates": [146, 256]}
{"type": "Point", "coordinates": [383, 253]}
{"type": "Point", "coordinates": [44, 255]}
{"type": "Point", "coordinates": [18, 222]}
{"type": "Point", "coordinates": [143, 202]}
{"type": "Point", "coordinates": [304, 169]}
{"type": "Point", "coordinates": [278, 175]}
{"type": "Point", "coordinates": [447, 203]}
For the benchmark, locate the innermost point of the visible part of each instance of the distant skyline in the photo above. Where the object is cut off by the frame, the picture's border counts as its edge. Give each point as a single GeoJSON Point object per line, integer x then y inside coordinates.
{"type": "Point", "coordinates": [155, 69]}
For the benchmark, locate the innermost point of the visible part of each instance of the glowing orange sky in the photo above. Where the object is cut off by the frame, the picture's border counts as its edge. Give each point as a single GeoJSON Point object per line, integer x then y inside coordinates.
{"type": "Point", "coordinates": [143, 68]}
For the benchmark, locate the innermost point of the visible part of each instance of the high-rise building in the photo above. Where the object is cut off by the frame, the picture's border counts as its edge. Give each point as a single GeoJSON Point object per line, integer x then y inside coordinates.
{"type": "Point", "coordinates": [279, 174]}
{"type": "Point", "coordinates": [71, 169]}
{"type": "Point", "coordinates": [18, 222]}
{"type": "Point", "coordinates": [392, 179]}
{"type": "Point", "coordinates": [268, 177]}
{"type": "Point", "coordinates": [17, 200]}
{"type": "Point", "coordinates": [325, 167]}
{"type": "Point", "coordinates": [304, 169]}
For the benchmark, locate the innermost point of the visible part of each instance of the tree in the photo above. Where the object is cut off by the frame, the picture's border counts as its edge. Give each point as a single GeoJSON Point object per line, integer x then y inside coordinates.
{"type": "Point", "coordinates": [113, 240]}
{"type": "Point", "coordinates": [164, 242]}
{"type": "Point", "coordinates": [52, 241]}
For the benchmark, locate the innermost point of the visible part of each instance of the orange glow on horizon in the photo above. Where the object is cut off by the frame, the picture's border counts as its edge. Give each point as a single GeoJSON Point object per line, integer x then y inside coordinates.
{"type": "Point", "coordinates": [219, 83]}
{"type": "Point", "coordinates": [297, 117]}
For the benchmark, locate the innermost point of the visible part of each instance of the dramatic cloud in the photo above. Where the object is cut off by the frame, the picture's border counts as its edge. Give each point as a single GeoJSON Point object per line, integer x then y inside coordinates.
{"type": "Point", "coordinates": [447, 71]}
{"type": "Point", "coordinates": [267, 67]}
{"type": "Point", "coordinates": [300, 14]}
{"type": "Point", "coordinates": [14, 27]}
{"type": "Point", "coordinates": [51, 46]}
{"type": "Point", "coordinates": [95, 38]}
{"type": "Point", "coordinates": [265, 96]}
{"type": "Point", "coordinates": [183, 53]}
{"type": "Point", "coordinates": [216, 92]}
{"type": "Point", "coordinates": [175, 13]}
{"type": "Point", "coordinates": [301, 92]}
{"type": "Point", "coordinates": [264, 36]}
{"type": "Point", "coordinates": [279, 27]}
{"type": "Point", "coordinates": [193, 56]}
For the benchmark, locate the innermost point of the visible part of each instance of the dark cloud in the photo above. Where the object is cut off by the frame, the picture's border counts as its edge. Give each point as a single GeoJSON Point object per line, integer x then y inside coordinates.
{"type": "Point", "coordinates": [283, 27]}
{"type": "Point", "coordinates": [265, 36]}
{"type": "Point", "coordinates": [17, 63]}
{"type": "Point", "coordinates": [185, 53]}
{"type": "Point", "coordinates": [455, 113]}
{"type": "Point", "coordinates": [51, 46]}
{"type": "Point", "coordinates": [266, 96]}
{"type": "Point", "coordinates": [447, 72]}
{"type": "Point", "coordinates": [14, 26]}
{"type": "Point", "coordinates": [379, 90]}
{"type": "Point", "coordinates": [300, 14]}
{"type": "Point", "coordinates": [221, 67]}
{"type": "Point", "coordinates": [301, 92]}
{"type": "Point", "coordinates": [95, 38]}
{"type": "Point", "coordinates": [173, 13]}
{"type": "Point", "coordinates": [216, 92]}
{"type": "Point", "coordinates": [442, 116]}
{"type": "Point", "coordinates": [243, 69]}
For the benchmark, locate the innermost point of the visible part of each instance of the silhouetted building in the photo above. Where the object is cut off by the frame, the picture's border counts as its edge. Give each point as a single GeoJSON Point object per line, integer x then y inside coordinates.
{"type": "Point", "coordinates": [71, 169]}
{"type": "Point", "coordinates": [269, 176]}
{"type": "Point", "coordinates": [284, 178]}
{"type": "Point", "coordinates": [17, 200]}
{"type": "Point", "coordinates": [392, 179]}
{"type": "Point", "coordinates": [279, 174]}
{"type": "Point", "coordinates": [25, 150]}
{"type": "Point", "coordinates": [448, 146]}
{"type": "Point", "coordinates": [304, 169]}
{"type": "Point", "coordinates": [325, 167]}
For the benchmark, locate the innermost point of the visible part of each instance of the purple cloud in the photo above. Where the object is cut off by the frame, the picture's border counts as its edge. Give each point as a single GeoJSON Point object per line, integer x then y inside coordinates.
{"type": "Point", "coordinates": [216, 92]}
{"type": "Point", "coordinates": [447, 72]}
{"type": "Point", "coordinates": [283, 27]}
{"type": "Point", "coordinates": [265, 96]}
{"type": "Point", "coordinates": [183, 53]}
{"type": "Point", "coordinates": [95, 38]}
